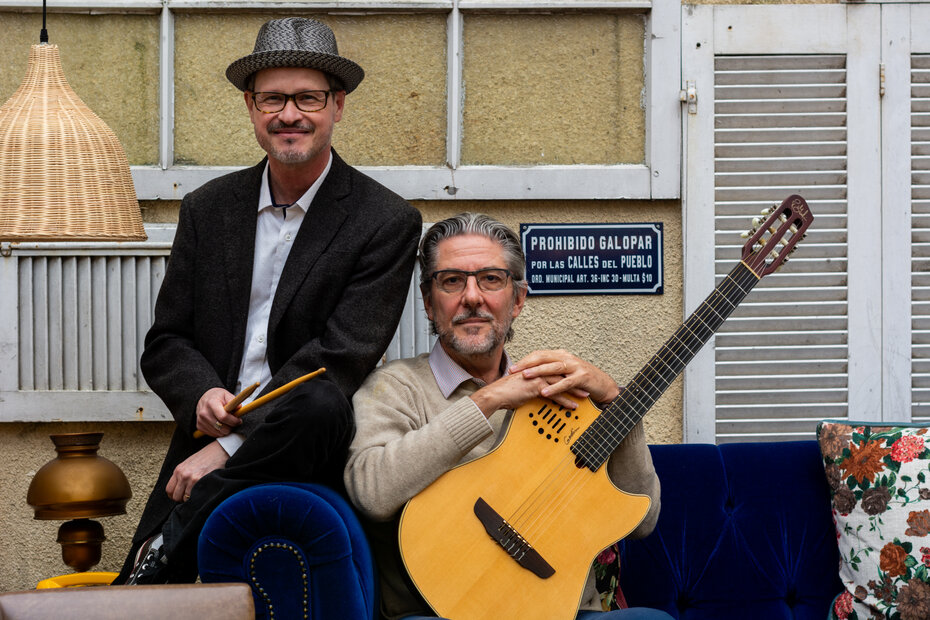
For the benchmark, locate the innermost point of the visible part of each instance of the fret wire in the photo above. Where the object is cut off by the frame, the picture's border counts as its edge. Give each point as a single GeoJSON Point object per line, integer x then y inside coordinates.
{"type": "Point", "coordinates": [612, 416]}
{"type": "Point", "coordinates": [669, 349]}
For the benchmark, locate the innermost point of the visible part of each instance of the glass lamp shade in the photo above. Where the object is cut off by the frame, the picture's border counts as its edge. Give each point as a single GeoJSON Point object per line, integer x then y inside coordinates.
{"type": "Point", "coordinates": [63, 174]}
{"type": "Point", "coordinates": [78, 483]}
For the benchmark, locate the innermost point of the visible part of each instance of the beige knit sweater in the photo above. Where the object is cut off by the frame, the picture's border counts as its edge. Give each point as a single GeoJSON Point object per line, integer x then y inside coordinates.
{"type": "Point", "coordinates": [408, 435]}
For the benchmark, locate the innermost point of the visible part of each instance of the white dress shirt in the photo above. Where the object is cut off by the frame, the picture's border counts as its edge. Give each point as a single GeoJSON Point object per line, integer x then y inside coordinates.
{"type": "Point", "coordinates": [275, 233]}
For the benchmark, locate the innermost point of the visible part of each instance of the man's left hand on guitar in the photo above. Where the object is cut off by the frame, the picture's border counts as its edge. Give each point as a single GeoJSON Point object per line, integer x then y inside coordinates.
{"type": "Point", "coordinates": [557, 375]}
{"type": "Point", "coordinates": [567, 374]}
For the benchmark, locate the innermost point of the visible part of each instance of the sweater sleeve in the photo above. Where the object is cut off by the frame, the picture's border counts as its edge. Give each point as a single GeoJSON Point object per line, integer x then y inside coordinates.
{"type": "Point", "coordinates": [401, 446]}
{"type": "Point", "coordinates": [630, 468]}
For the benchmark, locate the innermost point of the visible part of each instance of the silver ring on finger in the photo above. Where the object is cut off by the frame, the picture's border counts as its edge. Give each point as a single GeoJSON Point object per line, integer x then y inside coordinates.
{"type": "Point", "coordinates": [218, 425]}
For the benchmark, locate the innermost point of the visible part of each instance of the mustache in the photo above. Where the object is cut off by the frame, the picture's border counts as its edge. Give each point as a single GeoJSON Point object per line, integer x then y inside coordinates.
{"type": "Point", "coordinates": [472, 314]}
{"type": "Point", "coordinates": [302, 125]}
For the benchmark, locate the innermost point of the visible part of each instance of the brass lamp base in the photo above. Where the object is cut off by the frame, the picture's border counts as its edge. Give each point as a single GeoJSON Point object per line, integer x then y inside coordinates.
{"type": "Point", "coordinates": [79, 484]}
{"type": "Point", "coordinates": [80, 541]}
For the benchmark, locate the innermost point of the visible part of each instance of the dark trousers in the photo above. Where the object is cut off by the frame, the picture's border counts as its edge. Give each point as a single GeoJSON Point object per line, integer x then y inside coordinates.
{"type": "Point", "coordinates": [304, 439]}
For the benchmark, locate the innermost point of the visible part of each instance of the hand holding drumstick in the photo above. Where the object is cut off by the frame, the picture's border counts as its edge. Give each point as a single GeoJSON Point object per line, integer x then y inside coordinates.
{"type": "Point", "coordinates": [233, 405]}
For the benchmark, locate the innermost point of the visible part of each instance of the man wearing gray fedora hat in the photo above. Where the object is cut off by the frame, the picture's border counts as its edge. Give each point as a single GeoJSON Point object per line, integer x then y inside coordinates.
{"type": "Point", "coordinates": [298, 263]}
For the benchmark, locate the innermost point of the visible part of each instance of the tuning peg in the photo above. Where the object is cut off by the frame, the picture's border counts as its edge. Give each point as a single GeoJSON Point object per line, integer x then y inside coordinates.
{"type": "Point", "coordinates": [756, 222]}
{"type": "Point", "coordinates": [744, 234]}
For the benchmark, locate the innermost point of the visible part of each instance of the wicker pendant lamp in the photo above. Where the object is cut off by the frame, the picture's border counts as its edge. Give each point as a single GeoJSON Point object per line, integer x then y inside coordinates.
{"type": "Point", "coordinates": [63, 174]}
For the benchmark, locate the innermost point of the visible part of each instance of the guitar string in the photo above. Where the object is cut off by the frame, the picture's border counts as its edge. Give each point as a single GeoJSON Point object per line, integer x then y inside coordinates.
{"type": "Point", "coordinates": [668, 373]}
{"type": "Point", "coordinates": [642, 382]}
{"type": "Point", "coordinates": [530, 507]}
{"type": "Point", "coordinates": [689, 325]}
{"type": "Point", "coordinates": [536, 527]}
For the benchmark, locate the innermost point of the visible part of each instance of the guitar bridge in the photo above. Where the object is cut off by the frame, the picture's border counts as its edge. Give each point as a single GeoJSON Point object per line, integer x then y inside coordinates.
{"type": "Point", "coordinates": [511, 541]}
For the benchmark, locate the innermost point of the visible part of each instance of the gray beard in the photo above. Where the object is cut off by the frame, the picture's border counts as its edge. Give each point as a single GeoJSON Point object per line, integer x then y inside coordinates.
{"type": "Point", "coordinates": [496, 337]}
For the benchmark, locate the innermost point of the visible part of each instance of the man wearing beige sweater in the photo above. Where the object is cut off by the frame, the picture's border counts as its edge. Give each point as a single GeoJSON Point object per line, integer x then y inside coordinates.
{"type": "Point", "coordinates": [417, 418]}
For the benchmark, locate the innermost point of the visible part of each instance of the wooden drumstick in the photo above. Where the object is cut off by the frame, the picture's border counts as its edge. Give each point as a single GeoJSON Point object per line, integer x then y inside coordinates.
{"type": "Point", "coordinates": [261, 400]}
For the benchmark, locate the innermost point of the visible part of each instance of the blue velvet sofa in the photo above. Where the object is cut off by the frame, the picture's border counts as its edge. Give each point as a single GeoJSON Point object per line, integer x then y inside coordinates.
{"type": "Point", "coordinates": [745, 532]}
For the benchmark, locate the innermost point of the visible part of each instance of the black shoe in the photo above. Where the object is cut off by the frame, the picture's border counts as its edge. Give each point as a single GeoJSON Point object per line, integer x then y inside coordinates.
{"type": "Point", "coordinates": [151, 563]}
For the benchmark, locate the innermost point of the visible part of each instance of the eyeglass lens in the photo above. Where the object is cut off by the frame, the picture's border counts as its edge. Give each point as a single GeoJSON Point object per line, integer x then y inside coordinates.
{"type": "Point", "coordinates": [454, 280]}
{"type": "Point", "coordinates": [306, 101]}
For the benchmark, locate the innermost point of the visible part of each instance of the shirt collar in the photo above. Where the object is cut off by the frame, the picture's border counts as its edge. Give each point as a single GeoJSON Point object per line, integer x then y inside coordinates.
{"type": "Point", "coordinates": [449, 375]}
{"type": "Point", "coordinates": [303, 203]}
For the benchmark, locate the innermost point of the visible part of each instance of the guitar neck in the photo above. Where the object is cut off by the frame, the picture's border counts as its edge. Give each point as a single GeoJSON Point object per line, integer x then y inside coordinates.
{"type": "Point", "coordinates": [602, 437]}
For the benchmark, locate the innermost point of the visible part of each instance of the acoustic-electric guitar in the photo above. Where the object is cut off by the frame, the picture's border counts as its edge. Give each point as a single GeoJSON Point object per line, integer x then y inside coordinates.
{"type": "Point", "coordinates": [513, 534]}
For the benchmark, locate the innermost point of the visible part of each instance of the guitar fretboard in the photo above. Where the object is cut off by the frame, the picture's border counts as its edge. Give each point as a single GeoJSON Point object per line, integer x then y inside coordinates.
{"type": "Point", "coordinates": [602, 437]}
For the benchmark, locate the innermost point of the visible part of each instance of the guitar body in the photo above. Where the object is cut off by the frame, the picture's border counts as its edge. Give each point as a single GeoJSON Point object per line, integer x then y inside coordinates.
{"type": "Point", "coordinates": [566, 513]}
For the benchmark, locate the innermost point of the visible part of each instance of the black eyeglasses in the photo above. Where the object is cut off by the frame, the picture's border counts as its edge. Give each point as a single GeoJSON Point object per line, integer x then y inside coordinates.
{"type": "Point", "coordinates": [306, 101]}
{"type": "Point", "coordinates": [454, 280]}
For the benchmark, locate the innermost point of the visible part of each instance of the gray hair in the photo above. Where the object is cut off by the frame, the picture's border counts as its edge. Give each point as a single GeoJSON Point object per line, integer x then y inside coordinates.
{"type": "Point", "coordinates": [472, 224]}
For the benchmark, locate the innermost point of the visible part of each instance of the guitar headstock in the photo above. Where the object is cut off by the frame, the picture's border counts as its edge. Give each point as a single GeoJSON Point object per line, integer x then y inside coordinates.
{"type": "Point", "coordinates": [771, 241]}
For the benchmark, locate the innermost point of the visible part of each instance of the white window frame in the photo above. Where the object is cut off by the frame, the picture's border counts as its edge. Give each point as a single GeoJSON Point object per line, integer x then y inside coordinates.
{"type": "Point", "coordinates": [658, 177]}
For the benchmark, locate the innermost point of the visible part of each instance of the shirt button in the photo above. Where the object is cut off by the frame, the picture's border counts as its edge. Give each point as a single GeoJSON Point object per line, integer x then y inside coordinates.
{"type": "Point", "coordinates": [261, 339]}
{"type": "Point", "coordinates": [287, 237]}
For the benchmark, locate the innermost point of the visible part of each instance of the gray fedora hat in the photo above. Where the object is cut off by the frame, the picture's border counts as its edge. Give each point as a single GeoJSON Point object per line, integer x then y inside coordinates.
{"type": "Point", "coordinates": [295, 42]}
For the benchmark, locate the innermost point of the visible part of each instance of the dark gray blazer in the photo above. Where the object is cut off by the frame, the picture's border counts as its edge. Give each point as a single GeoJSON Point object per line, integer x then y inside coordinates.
{"type": "Point", "coordinates": [337, 304]}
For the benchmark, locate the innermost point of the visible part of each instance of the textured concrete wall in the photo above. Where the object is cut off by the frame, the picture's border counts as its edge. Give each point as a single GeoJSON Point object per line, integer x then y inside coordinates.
{"type": "Point", "coordinates": [553, 89]}
{"type": "Point", "coordinates": [550, 89]}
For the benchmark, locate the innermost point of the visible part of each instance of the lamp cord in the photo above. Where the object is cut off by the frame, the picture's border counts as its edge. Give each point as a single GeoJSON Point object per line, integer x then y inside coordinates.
{"type": "Point", "coordinates": [43, 35]}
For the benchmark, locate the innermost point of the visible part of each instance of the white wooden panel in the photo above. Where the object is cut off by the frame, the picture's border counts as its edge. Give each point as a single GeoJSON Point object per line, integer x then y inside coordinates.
{"type": "Point", "coordinates": [896, 220]}
{"type": "Point", "coordinates": [9, 327]}
{"type": "Point", "coordinates": [663, 68]}
{"type": "Point", "coordinates": [780, 29]}
{"type": "Point", "coordinates": [920, 28]}
{"type": "Point", "coordinates": [865, 213]}
{"type": "Point", "coordinates": [455, 94]}
{"type": "Point", "coordinates": [582, 182]}
{"type": "Point", "coordinates": [25, 343]}
{"type": "Point", "coordinates": [698, 211]}
{"type": "Point", "coordinates": [55, 328]}
{"type": "Point", "coordinates": [84, 322]}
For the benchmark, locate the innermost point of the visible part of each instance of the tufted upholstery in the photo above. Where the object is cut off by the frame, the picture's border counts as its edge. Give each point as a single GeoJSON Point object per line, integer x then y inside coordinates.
{"type": "Point", "coordinates": [745, 532]}
{"type": "Point", "coordinates": [299, 546]}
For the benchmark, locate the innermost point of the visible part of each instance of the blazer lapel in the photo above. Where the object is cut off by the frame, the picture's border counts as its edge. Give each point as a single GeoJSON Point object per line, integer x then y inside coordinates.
{"type": "Point", "coordinates": [239, 222]}
{"type": "Point", "coordinates": [320, 226]}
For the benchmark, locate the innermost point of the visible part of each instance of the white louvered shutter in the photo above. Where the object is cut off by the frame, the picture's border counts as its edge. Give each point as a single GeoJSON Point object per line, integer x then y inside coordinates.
{"type": "Point", "coordinates": [780, 128]}
{"type": "Point", "coordinates": [920, 236]}
{"type": "Point", "coordinates": [787, 102]}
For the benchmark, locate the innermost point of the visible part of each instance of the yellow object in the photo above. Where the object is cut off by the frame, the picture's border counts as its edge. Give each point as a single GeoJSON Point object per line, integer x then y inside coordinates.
{"type": "Point", "coordinates": [77, 580]}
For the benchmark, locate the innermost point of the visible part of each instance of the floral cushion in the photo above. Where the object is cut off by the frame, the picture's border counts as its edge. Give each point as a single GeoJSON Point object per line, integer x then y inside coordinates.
{"type": "Point", "coordinates": [878, 478]}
